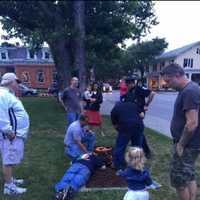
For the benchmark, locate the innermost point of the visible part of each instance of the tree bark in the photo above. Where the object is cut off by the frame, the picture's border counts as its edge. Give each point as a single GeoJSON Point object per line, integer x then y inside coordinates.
{"type": "Point", "coordinates": [60, 51]}
{"type": "Point", "coordinates": [79, 41]}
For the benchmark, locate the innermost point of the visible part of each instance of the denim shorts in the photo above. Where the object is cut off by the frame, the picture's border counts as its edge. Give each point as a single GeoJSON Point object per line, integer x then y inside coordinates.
{"type": "Point", "coordinates": [183, 168]}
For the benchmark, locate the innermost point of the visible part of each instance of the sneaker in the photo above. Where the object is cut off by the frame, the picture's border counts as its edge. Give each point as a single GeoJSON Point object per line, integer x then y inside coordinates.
{"type": "Point", "coordinates": [70, 194]}
{"type": "Point", "coordinates": [59, 195]}
{"type": "Point", "coordinates": [102, 134]}
{"type": "Point", "coordinates": [12, 189]}
{"type": "Point", "coordinates": [17, 181]}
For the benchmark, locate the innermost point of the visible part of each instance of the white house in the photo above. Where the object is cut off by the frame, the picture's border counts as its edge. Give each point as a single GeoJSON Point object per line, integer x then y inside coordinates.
{"type": "Point", "coordinates": [187, 57]}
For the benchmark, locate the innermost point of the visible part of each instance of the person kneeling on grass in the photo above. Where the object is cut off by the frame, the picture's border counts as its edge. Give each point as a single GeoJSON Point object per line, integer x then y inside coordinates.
{"type": "Point", "coordinates": [79, 139]}
{"type": "Point", "coordinates": [138, 179]}
{"type": "Point", "coordinates": [77, 175]}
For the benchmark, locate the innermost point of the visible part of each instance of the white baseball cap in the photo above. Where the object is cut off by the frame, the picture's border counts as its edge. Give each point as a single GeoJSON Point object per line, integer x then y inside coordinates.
{"type": "Point", "coordinates": [8, 78]}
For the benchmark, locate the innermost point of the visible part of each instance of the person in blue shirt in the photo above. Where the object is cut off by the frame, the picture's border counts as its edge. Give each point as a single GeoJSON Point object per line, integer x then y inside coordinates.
{"type": "Point", "coordinates": [79, 139]}
{"type": "Point", "coordinates": [77, 175]}
{"type": "Point", "coordinates": [138, 178]}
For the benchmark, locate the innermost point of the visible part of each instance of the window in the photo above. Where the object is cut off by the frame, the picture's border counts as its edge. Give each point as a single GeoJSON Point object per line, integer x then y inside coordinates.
{"type": "Point", "coordinates": [25, 77]}
{"type": "Point", "coordinates": [188, 62]}
{"type": "Point", "coordinates": [40, 76]}
{"type": "Point", "coordinates": [31, 54]}
{"type": "Point", "coordinates": [154, 68]}
{"type": "Point", "coordinates": [191, 63]}
{"type": "Point", "coordinates": [46, 55]}
{"type": "Point", "coordinates": [55, 78]}
{"type": "Point", "coordinates": [147, 68]}
{"type": "Point", "coordinates": [185, 62]}
{"type": "Point", "coordinates": [3, 55]}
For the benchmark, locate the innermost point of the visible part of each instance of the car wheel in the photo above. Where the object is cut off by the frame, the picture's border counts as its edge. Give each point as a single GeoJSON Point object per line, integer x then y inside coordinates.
{"type": "Point", "coordinates": [28, 94]}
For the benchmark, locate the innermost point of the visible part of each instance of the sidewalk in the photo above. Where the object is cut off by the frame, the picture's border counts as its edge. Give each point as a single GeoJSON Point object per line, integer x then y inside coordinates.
{"type": "Point", "coordinates": [160, 125]}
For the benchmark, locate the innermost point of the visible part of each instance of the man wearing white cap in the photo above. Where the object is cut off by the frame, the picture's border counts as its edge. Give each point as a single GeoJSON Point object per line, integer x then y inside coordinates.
{"type": "Point", "coordinates": [14, 126]}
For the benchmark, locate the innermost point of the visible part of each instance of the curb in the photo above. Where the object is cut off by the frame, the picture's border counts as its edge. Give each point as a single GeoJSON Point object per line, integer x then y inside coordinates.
{"type": "Point", "coordinates": [85, 189]}
{"type": "Point", "coordinates": [45, 95]}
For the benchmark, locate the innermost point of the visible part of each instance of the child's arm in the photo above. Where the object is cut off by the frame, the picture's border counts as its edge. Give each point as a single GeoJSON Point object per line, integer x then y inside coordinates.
{"type": "Point", "coordinates": [151, 184]}
{"type": "Point", "coordinates": [148, 180]}
{"type": "Point", "coordinates": [154, 185]}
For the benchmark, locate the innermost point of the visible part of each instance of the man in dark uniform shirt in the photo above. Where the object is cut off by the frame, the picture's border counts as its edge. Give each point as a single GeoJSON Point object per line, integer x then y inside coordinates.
{"type": "Point", "coordinates": [142, 97]}
{"type": "Point", "coordinates": [129, 126]}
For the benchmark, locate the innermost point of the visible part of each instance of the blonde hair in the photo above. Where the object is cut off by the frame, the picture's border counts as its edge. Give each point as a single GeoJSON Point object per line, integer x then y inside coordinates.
{"type": "Point", "coordinates": [135, 158]}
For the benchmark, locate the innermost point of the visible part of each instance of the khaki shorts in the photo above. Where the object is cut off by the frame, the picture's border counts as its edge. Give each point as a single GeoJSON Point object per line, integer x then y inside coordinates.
{"type": "Point", "coordinates": [183, 168]}
{"type": "Point", "coordinates": [12, 153]}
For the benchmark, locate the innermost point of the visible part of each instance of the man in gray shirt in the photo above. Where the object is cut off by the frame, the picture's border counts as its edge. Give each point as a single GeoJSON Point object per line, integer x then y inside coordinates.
{"type": "Point", "coordinates": [71, 100]}
{"type": "Point", "coordinates": [185, 130]}
{"type": "Point", "coordinates": [78, 138]}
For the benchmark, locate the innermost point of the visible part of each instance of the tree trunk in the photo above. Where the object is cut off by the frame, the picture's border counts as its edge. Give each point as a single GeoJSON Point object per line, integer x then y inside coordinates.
{"type": "Point", "coordinates": [60, 51]}
{"type": "Point", "coordinates": [79, 41]}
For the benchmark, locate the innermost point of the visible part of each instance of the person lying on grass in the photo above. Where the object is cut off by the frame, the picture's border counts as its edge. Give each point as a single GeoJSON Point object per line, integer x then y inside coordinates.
{"type": "Point", "coordinates": [137, 177]}
{"type": "Point", "coordinates": [77, 175]}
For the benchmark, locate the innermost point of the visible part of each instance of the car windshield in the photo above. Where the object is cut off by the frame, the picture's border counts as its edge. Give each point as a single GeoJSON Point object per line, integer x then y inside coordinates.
{"type": "Point", "coordinates": [23, 86]}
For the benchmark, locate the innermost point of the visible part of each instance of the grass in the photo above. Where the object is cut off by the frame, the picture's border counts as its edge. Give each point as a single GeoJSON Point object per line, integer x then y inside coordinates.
{"type": "Point", "coordinates": [45, 162]}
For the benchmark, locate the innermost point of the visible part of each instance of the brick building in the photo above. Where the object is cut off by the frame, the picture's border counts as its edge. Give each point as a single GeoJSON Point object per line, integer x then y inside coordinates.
{"type": "Point", "coordinates": [35, 69]}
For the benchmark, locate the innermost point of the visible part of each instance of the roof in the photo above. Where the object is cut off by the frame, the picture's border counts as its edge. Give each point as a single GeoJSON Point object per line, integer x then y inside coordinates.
{"type": "Point", "coordinates": [22, 61]}
{"type": "Point", "coordinates": [19, 55]}
{"type": "Point", "coordinates": [176, 52]}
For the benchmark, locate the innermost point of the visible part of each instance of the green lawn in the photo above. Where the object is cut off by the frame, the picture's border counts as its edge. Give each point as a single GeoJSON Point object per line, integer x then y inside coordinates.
{"type": "Point", "coordinates": [45, 162]}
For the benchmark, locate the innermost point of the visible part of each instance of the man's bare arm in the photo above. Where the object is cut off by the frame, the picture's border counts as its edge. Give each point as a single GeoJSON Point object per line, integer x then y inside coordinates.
{"type": "Point", "coordinates": [190, 126]}
{"type": "Point", "coordinates": [82, 146]}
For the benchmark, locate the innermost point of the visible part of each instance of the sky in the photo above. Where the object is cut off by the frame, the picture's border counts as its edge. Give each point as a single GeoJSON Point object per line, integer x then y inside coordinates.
{"type": "Point", "coordinates": [178, 23]}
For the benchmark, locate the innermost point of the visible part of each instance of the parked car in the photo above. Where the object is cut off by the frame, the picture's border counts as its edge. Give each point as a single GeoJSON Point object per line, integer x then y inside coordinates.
{"type": "Point", "coordinates": [107, 87]}
{"type": "Point", "coordinates": [27, 91]}
{"type": "Point", "coordinates": [53, 89]}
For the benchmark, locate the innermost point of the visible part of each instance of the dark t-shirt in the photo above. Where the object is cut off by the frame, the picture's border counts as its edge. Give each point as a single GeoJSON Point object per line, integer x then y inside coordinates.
{"type": "Point", "coordinates": [187, 99]}
{"type": "Point", "coordinates": [137, 95]}
{"type": "Point", "coordinates": [126, 116]}
{"type": "Point", "coordinates": [71, 98]}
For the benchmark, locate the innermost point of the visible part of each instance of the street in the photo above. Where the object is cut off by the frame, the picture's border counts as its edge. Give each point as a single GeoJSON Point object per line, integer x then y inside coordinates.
{"type": "Point", "coordinates": [157, 117]}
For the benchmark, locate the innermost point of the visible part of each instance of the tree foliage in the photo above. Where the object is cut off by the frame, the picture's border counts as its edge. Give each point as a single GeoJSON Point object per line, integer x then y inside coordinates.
{"type": "Point", "coordinates": [107, 23]}
{"type": "Point", "coordinates": [141, 55]}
